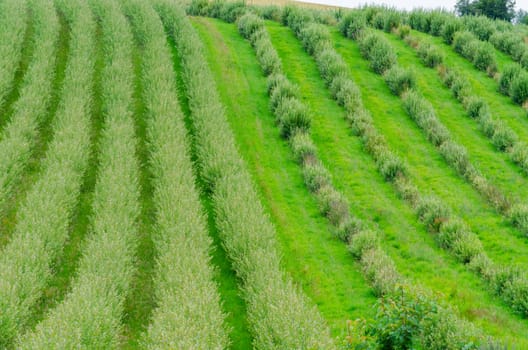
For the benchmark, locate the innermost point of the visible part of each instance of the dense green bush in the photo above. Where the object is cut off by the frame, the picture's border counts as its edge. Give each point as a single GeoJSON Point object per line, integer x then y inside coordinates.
{"type": "Point", "coordinates": [456, 237]}
{"type": "Point", "coordinates": [316, 175]}
{"type": "Point", "coordinates": [399, 79]}
{"type": "Point", "coordinates": [519, 154]}
{"type": "Point", "coordinates": [422, 112]}
{"type": "Point", "coordinates": [476, 107]}
{"type": "Point", "coordinates": [503, 137]}
{"type": "Point", "coordinates": [519, 216]}
{"type": "Point", "coordinates": [519, 88]}
{"type": "Point", "coordinates": [404, 31]}
{"type": "Point", "coordinates": [430, 55]}
{"type": "Point", "coordinates": [249, 24]}
{"type": "Point", "coordinates": [333, 205]}
{"type": "Point", "coordinates": [331, 65]}
{"type": "Point", "coordinates": [456, 156]}
{"type": "Point", "coordinates": [432, 212]}
{"type": "Point", "coordinates": [481, 26]}
{"type": "Point", "coordinates": [509, 73]}
{"type": "Point", "coordinates": [280, 89]}
{"type": "Point", "coordinates": [345, 92]}
{"type": "Point", "coordinates": [461, 42]}
{"type": "Point", "coordinates": [419, 19]}
{"type": "Point", "coordinates": [362, 241]}
{"type": "Point", "coordinates": [379, 268]}
{"type": "Point", "coordinates": [353, 24]}
{"type": "Point", "coordinates": [292, 117]}
{"type": "Point", "coordinates": [267, 56]}
{"type": "Point", "coordinates": [302, 147]}
{"type": "Point", "coordinates": [296, 18]}
{"type": "Point", "coordinates": [314, 37]}
{"type": "Point", "coordinates": [390, 165]}
{"type": "Point", "coordinates": [450, 27]}
{"type": "Point", "coordinates": [378, 51]}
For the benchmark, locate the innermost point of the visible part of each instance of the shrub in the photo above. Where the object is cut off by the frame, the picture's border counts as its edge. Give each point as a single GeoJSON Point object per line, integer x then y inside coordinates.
{"type": "Point", "coordinates": [432, 212]}
{"type": "Point", "coordinates": [481, 26]}
{"type": "Point", "coordinates": [509, 73]}
{"type": "Point", "coordinates": [231, 10]}
{"type": "Point", "coordinates": [503, 137]}
{"type": "Point", "coordinates": [292, 116]}
{"type": "Point", "coordinates": [461, 42]}
{"type": "Point", "coordinates": [331, 65]}
{"type": "Point", "coordinates": [296, 18]}
{"type": "Point", "coordinates": [460, 86]}
{"type": "Point", "coordinates": [271, 12]}
{"type": "Point", "coordinates": [353, 24]}
{"type": "Point", "coordinates": [422, 112]}
{"type": "Point", "coordinates": [363, 241]}
{"type": "Point", "coordinates": [281, 89]}
{"type": "Point", "coordinates": [450, 27]}
{"type": "Point", "coordinates": [198, 8]}
{"type": "Point", "coordinates": [431, 56]}
{"type": "Point", "coordinates": [315, 175]}
{"type": "Point", "coordinates": [302, 146]}
{"type": "Point", "coordinates": [437, 21]}
{"type": "Point", "coordinates": [275, 80]}
{"type": "Point", "coordinates": [419, 20]}
{"type": "Point", "coordinates": [483, 57]}
{"type": "Point", "coordinates": [519, 88]}
{"type": "Point", "coordinates": [345, 92]}
{"type": "Point", "coordinates": [314, 37]}
{"type": "Point", "coordinates": [456, 237]}
{"type": "Point", "coordinates": [519, 154]}
{"type": "Point", "coordinates": [249, 24]}
{"type": "Point", "coordinates": [379, 53]}
{"type": "Point", "coordinates": [519, 216]}
{"type": "Point", "coordinates": [380, 270]}
{"type": "Point", "coordinates": [267, 56]}
{"type": "Point", "coordinates": [333, 205]}
{"type": "Point", "coordinates": [456, 156]}
{"type": "Point", "coordinates": [406, 189]}
{"type": "Point", "coordinates": [390, 165]}
{"type": "Point", "coordinates": [348, 229]}
{"type": "Point", "coordinates": [399, 79]}
{"type": "Point", "coordinates": [404, 31]}
{"type": "Point", "coordinates": [476, 107]}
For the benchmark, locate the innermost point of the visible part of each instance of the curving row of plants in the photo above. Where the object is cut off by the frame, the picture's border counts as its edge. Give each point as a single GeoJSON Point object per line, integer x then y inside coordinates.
{"type": "Point", "coordinates": [13, 25]}
{"type": "Point", "coordinates": [20, 133]}
{"type": "Point", "coordinates": [452, 234]}
{"type": "Point", "coordinates": [279, 315]}
{"type": "Point", "coordinates": [293, 119]}
{"type": "Point", "coordinates": [188, 313]}
{"type": "Point", "coordinates": [90, 315]}
{"type": "Point", "coordinates": [26, 262]}
{"type": "Point", "coordinates": [503, 138]}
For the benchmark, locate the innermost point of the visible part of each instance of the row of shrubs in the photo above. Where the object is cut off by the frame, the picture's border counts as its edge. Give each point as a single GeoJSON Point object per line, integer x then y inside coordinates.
{"type": "Point", "coordinates": [279, 315]}
{"type": "Point", "coordinates": [361, 240]}
{"type": "Point", "coordinates": [452, 234]}
{"type": "Point", "coordinates": [478, 52]}
{"type": "Point", "coordinates": [514, 83]}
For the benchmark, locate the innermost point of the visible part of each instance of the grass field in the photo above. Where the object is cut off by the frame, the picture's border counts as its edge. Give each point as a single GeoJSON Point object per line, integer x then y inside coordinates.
{"type": "Point", "coordinates": [217, 180]}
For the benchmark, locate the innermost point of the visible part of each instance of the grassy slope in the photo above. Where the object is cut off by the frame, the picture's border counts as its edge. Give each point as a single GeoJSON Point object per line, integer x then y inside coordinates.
{"type": "Point", "coordinates": [502, 107]}
{"type": "Point", "coordinates": [319, 263]}
{"type": "Point", "coordinates": [494, 164]}
{"type": "Point", "coordinates": [411, 246]}
{"type": "Point", "coordinates": [427, 167]}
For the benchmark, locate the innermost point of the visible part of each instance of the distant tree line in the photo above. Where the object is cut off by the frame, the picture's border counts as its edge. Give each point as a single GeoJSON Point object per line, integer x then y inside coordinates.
{"type": "Point", "coordinates": [496, 9]}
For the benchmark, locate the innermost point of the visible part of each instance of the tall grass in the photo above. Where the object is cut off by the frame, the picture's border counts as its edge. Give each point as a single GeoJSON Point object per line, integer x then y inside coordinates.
{"type": "Point", "coordinates": [29, 110]}
{"type": "Point", "coordinates": [91, 312]}
{"type": "Point", "coordinates": [44, 216]}
{"type": "Point", "coordinates": [188, 313]}
{"type": "Point", "coordinates": [280, 316]}
{"type": "Point", "coordinates": [13, 26]}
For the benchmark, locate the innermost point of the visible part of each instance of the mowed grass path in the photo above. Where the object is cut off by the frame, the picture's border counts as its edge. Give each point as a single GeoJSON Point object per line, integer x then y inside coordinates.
{"type": "Point", "coordinates": [317, 261]}
{"type": "Point", "coordinates": [501, 106]}
{"type": "Point", "coordinates": [427, 167]}
{"type": "Point", "coordinates": [354, 172]}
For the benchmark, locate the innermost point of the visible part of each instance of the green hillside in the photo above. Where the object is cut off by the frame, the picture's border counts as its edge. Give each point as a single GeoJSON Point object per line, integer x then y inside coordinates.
{"type": "Point", "coordinates": [217, 175]}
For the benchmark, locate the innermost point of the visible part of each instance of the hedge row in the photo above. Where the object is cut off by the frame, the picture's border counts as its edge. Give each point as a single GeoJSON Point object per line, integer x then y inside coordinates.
{"type": "Point", "coordinates": [362, 242]}
{"type": "Point", "coordinates": [44, 215]}
{"type": "Point", "coordinates": [279, 315]}
{"type": "Point", "coordinates": [478, 52]}
{"type": "Point", "coordinates": [91, 312]}
{"type": "Point", "coordinates": [452, 234]}
{"type": "Point", "coordinates": [29, 111]}
{"type": "Point", "coordinates": [514, 83]}
{"type": "Point", "coordinates": [13, 27]}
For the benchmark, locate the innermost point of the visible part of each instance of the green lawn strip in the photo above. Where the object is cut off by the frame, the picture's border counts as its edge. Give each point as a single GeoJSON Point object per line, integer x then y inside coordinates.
{"type": "Point", "coordinates": [429, 172]}
{"type": "Point", "coordinates": [501, 106]}
{"type": "Point", "coordinates": [317, 261]}
{"type": "Point", "coordinates": [427, 168]}
{"type": "Point", "coordinates": [495, 165]}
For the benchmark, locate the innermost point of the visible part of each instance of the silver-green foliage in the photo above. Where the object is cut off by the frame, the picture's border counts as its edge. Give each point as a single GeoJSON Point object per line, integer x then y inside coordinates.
{"type": "Point", "coordinates": [188, 313]}
{"type": "Point", "coordinates": [22, 130]}
{"type": "Point", "coordinates": [279, 315]}
{"type": "Point", "coordinates": [91, 312]}
{"type": "Point", "coordinates": [44, 216]}
{"type": "Point", "coordinates": [13, 23]}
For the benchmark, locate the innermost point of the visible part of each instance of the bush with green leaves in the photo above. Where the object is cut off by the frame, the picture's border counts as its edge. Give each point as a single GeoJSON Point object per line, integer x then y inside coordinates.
{"type": "Point", "coordinates": [503, 137]}
{"type": "Point", "coordinates": [378, 51]}
{"type": "Point", "coordinates": [315, 175]}
{"type": "Point", "coordinates": [450, 27]}
{"type": "Point", "coordinates": [345, 92]}
{"type": "Point", "coordinates": [399, 79]}
{"type": "Point", "coordinates": [430, 55]}
{"type": "Point", "coordinates": [248, 24]}
{"type": "Point", "coordinates": [455, 236]}
{"type": "Point", "coordinates": [280, 88]}
{"type": "Point", "coordinates": [333, 204]}
{"type": "Point", "coordinates": [482, 26]}
{"type": "Point", "coordinates": [519, 88]}
{"type": "Point", "coordinates": [380, 270]}
{"type": "Point", "coordinates": [462, 41]}
{"type": "Point", "coordinates": [303, 147]}
{"type": "Point", "coordinates": [331, 65]}
{"type": "Point", "coordinates": [509, 73]}
{"type": "Point", "coordinates": [519, 216]}
{"type": "Point", "coordinates": [267, 56]}
{"type": "Point", "coordinates": [432, 212]}
{"type": "Point", "coordinates": [419, 19]}
{"type": "Point", "coordinates": [456, 156]}
{"type": "Point", "coordinates": [363, 241]}
{"type": "Point", "coordinates": [292, 116]}
{"type": "Point", "coordinates": [353, 24]}
{"type": "Point", "coordinates": [390, 165]}
{"type": "Point", "coordinates": [422, 112]}
{"type": "Point", "coordinates": [314, 37]}
{"type": "Point", "coordinates": [296, 18]}
{"type": "Point", "coordinates": [476, 107]}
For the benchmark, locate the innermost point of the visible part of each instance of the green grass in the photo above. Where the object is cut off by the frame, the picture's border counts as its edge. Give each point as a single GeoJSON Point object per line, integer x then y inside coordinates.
{"type": "Point", "coordinates": [412, 248]}
{"type": "Point", "coordinates": [316, 261]}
